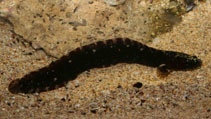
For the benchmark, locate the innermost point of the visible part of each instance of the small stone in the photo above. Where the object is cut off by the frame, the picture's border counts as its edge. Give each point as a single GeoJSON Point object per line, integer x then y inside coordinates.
{"type": "Point", "coordinates": [138, 85]}
{"type": "Point", "coordinates": [114, 2]}
{"type": "Point", "coordinates": [63, 99]}
{"type": "Point", "coordinates": [119, 86]}
{"type": "Point", "coordinates": [93, 105]}
{"type": "Point", "coordinates": [83, 113]}
{"type": "Point", "coordinates": [70, 111]}
{"type": "Point", "coordinates": [68, 15]}
{"type": "Point", "coordinates": [90, 2]}
{"type": "Point", "coordinates": [77, 105]}
{"type": "Point", "coordinates": [94, 111]}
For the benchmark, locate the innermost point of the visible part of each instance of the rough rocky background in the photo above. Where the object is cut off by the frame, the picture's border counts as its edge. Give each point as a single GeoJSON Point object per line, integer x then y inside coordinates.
{"type": "Point", "coordinates": [33, 33]}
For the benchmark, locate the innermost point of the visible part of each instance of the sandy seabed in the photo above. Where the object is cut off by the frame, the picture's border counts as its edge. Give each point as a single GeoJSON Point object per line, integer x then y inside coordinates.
{"type": "Point", "coordinates": [104, 92]}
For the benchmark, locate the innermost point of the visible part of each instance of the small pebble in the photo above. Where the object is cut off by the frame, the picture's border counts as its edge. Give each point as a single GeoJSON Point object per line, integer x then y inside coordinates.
{"type": "Point", "coordinates": [114, 2]}
{"type": "Point", "coordinates": [90, 2]}
{"type": "Point", "coordinates": [138, 85]}
{"type": "Point", "coordinates": [94, 111]}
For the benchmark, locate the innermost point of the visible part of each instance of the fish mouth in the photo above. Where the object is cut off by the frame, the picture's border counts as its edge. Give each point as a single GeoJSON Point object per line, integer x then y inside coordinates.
{"type": "Point", "coordinates": [198, 64]}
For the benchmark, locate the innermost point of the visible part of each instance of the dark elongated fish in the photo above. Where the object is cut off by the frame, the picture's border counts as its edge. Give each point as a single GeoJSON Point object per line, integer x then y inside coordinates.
{"type": "Point", "coordinates": [101, 54]}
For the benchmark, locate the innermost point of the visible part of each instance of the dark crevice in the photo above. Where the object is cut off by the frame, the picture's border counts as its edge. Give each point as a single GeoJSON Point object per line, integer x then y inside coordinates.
{"type": "Point", "coordinates": [30, 44]}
